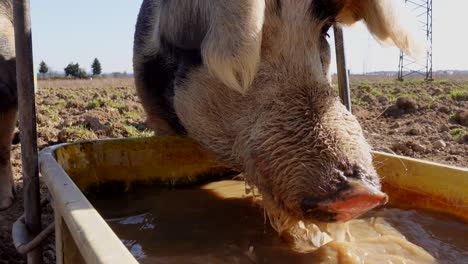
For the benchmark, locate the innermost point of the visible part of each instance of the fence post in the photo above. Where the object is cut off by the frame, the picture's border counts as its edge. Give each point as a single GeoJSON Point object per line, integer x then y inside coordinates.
{"type": "Point", "coordinates": [343, 81]}
{"type": "Point", "coordinates": [27, 111]}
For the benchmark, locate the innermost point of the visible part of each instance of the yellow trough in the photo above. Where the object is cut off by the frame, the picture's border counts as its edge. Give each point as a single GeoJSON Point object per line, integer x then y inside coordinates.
{"type": "Point", "coordinates": [82, 235]}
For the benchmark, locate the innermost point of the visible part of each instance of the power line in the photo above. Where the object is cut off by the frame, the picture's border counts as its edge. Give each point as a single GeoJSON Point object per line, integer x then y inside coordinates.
{"type": "Point", "coordinates": [408, 66]}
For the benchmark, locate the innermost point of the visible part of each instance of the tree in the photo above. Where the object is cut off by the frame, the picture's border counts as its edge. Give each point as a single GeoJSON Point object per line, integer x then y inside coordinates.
{"type": "Point", "coordinates": [82, 74]}
{"type": "Point", "coordinates": [74, 70]}
{"type": "Point", "coordinates": [96, 66]}
{"type": "Point", "coordinates": [43, 68]}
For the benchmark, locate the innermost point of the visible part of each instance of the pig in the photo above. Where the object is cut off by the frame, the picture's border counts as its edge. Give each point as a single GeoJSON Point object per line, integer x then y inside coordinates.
{"type": "Point", "coordinates": [8, 101]}
{"type": "Point", "coordinates": [249, 81]}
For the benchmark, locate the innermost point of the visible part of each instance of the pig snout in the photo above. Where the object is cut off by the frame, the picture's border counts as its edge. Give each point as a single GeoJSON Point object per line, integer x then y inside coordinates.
{"type": "Point", "coordinates": [348, 203]}
{"type": "Point", "coordinates": [316, 168]}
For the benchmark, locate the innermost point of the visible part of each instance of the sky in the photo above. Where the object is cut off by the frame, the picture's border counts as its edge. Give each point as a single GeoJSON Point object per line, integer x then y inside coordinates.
{"type": "Point", "coordinates": [78, 31]}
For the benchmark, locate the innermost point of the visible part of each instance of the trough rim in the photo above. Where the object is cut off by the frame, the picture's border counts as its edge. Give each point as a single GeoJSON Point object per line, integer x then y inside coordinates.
{"type": "Point", "coordinates": [67, 197]}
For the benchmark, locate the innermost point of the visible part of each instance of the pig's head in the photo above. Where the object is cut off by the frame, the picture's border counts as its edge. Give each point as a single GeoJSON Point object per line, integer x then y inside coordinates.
{"type": "Point", "coordinates": [249, 82]}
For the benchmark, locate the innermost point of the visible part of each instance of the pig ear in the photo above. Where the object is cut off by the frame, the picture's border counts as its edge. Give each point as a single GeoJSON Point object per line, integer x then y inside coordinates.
{"type": "Point", "coordinates": [389, 21]}
{"type": "Point", "coordinates": [227, 33]}
{"type": "Point", "coordinates": [231, 49]}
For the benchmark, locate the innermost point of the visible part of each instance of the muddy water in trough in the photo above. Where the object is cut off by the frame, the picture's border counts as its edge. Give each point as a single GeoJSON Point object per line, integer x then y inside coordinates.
{"type": "Point", "coordinates": [218, 223]}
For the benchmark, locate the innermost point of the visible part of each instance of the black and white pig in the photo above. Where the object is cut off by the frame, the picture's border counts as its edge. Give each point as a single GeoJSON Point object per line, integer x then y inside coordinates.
{"type": "Point", "coordinates": [247, 79]}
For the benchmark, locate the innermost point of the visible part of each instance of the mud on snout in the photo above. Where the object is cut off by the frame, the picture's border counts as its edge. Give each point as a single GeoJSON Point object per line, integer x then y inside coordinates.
{"type": "Point", "coordinates": [310, 162]}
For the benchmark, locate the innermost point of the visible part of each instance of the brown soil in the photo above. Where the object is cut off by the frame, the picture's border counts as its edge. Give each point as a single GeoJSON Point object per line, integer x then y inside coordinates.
{"type": "Point", "coordinates": [424, 120]}
{"type": "Point", "coordinates": [425, 123]}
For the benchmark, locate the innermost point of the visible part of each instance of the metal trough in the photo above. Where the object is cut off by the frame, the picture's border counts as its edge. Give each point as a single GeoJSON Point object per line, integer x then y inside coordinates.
{"type": "Point", "coordinates": [82, 235]}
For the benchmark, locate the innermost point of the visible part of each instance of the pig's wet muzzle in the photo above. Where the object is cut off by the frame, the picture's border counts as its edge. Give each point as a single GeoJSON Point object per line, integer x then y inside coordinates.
{"type": "Point", "coordinates": [346, 204]}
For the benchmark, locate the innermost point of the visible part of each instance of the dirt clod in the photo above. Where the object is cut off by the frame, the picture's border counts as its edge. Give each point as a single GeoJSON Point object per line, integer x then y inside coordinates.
{"type": "Point", "coordinates": [395, 125]}
{"type": "Point", "coordinates": [91, 122]}
{"type": "Point", "coordinates": [414, 131]}
{"type": "Point", "coordinates": [382, 99]}
{"type": "Point", "coordinates": [400, 147]}
{"type": "Point", "coordinates": [444, 128]}
{"type": "Point", "coordinates": [463, 139]}
{"type": "Point", "coordinates": [418, 147]}
{"type": "Point", "coordinates": [444, 109]}
{"type": "Point", "coordinates": [462, 118]}
{"type": "Point", "coordinates": [393, 111]}
{"type": "Point", "coordinates": [436, 91]}
{"type": "Point", "coordinates": [368, 99]}
{"type": "Point", "coordinates": [439, 144]}
{"type": "Point", "coordinates": [406, 103]}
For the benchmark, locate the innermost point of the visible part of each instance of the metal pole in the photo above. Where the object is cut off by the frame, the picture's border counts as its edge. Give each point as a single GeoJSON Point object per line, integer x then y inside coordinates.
{"type": "Point", "coordinates": [429, 38]}
{"type": "Point", "coordinates": [401, 65]}
{"type": "Point", "coordinates": [407, 66]}
{"type": "Point", "coordinates": [27, 110]}
{"type": "Point", "coordinates": [343, 78]}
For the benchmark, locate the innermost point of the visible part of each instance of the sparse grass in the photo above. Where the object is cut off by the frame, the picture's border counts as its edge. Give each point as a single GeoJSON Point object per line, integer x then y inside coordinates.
{"type": "Point", "coordinates": [93, 98]}
{"type": "Point", "coordinates": [76, 133]}
{"type": "Point", "coordinates": [119, 106]}
{"type": "Point", "coordinates": [50, 113]}
{"type": "Point", "coordinates": [457, 133]}
{"type": "Point", "coordinates": [86, 84]}
{"type": "Point", "coordinates": [134, 132]}
{"type": "Point", "coordinates": [444, 82]}
{"type": "Point", "coordinates": [95, 103]}
{"type": "Point", "coordinates": [376, 92]}
{"type": "Point", "coordinates": [132, 115]}
{"type": "Point", "coordinates": [391, 98]}
{"type": "Point", "coordinates": [410, 95]}
{"type": "Point", "coordinates": [365, 85]}
{"type": "Point", "coordinates": [413, 81]}
{"type": "Point", "coordinates": [74, 104]}
{"type": "Point", "coordinates": [59, 103]}
{"type": "Point", "coordinates": [356, 101]}
{"type": "Point", "coordinates": [459, 94]}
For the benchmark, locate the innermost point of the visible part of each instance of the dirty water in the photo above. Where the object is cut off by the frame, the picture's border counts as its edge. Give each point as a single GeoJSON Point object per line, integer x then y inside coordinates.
{"type": "Point", "coordinates": [218, 223]}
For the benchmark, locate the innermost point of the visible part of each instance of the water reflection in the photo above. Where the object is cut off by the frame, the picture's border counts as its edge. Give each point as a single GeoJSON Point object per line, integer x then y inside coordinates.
{"type": "Point", "coordinates": [135, 248]}
{"type": "Point", "coordinates": [146, 221]}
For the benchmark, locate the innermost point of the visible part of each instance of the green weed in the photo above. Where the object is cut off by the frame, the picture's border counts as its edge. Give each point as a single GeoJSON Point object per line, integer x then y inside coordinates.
{"type": "Point", "coordinates": [457, 133]}
{"type": "Point", "coordinates": [132, 115]}
{"type": "Point", "coordinates": [119, 106]}
{"type": "Point", "coordinates": [459, 94]}
{"type": "Point", "coordinates": [77, 133]}
{"type": "Point", "coordinates": [134, 132]}
{"type": "Point", "coordinates": [96, 103]}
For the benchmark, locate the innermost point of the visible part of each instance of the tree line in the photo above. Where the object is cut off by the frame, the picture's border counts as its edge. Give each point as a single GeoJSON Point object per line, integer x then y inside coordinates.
{"type": "Point", "coordinates": [74, 70]}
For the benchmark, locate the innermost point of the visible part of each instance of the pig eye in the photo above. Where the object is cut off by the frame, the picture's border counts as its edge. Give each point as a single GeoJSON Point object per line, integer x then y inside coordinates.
{"type": "Point", "coordinates": [327, 27]}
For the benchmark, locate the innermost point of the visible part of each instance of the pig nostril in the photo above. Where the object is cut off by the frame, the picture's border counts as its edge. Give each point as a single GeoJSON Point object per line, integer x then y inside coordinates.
{"type": "Point", "coordinates": [354, 171]}
{"type": "Point", "coordinates": [349, 169]}
{"type": "Point", "coordinates": [349, 172]}
{"type": "Point", "coordinates": [311, 210]}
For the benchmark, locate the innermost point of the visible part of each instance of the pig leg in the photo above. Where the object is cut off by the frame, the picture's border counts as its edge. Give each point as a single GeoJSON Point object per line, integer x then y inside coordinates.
{"type": "Point", "coordinates": [156, 88]}
{"type": "Point", "coordinates": [7, 125]}
{"type": "Point", "coordinates": [8, 101]}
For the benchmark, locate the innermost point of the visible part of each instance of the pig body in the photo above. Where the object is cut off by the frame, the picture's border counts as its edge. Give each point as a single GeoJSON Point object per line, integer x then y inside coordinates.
{"type": "Point", "coordinates": [248, 80]}
{"type": "Point", "coordinates": [8, 101]}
